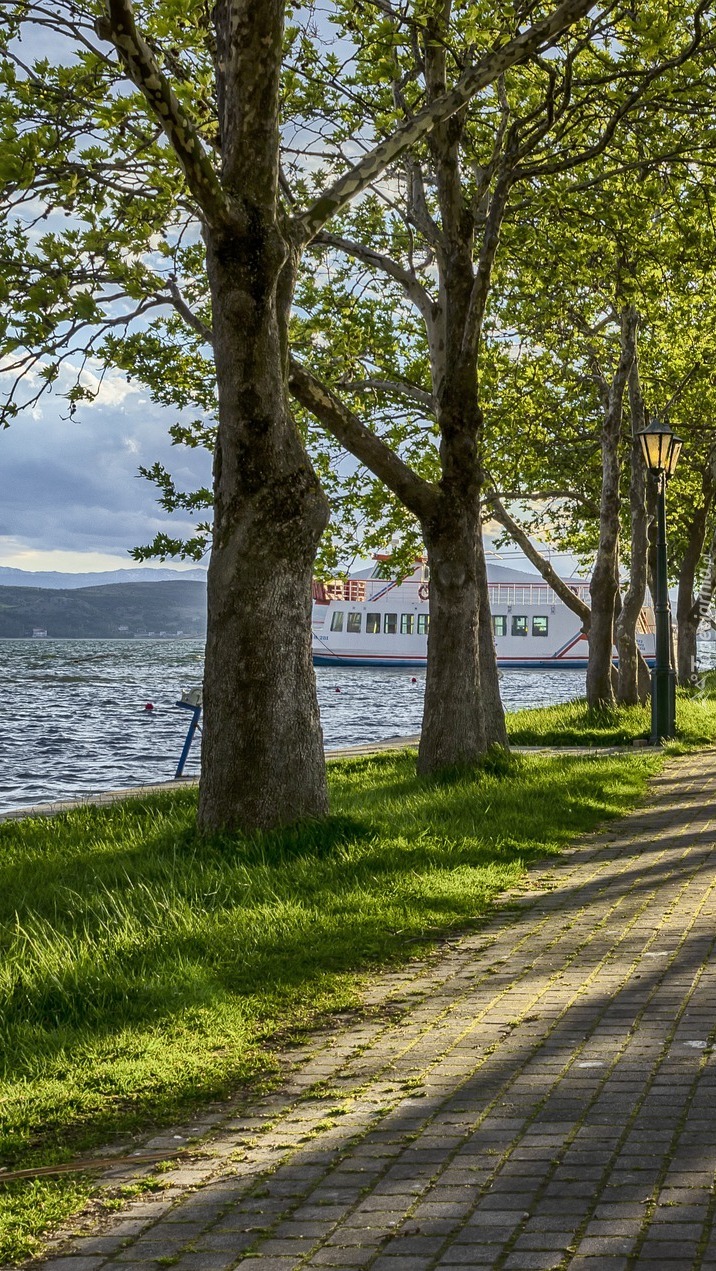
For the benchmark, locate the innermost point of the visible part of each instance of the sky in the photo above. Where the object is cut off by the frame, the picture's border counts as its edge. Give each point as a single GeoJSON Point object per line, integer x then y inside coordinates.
{"type": "Point", "coordinates": [72, 499]}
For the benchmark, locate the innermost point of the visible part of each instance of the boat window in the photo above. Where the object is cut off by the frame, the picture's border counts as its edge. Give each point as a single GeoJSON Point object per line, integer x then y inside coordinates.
{"type": "Point", "coordinates": [423, 623]}
{"type": "Point", "coordinates": [539, 626]}
{"type": "Point", "coordinates": [519, 625]}
{"type": "Point", "coordinates": [372, 623]}
{"type": "Point", "coordinates": [390, 623]}
{"type": "Point", "coordinates": [353, 625]}
{"type": "Point", "coordinates": [407, 622]}
{"type": "Point", "coordinates": [337, 620]}
{"type": "Point", "coordinates": [499, 624]}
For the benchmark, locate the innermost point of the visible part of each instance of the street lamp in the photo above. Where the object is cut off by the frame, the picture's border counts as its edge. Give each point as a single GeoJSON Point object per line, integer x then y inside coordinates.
{"type": "Point", "coordinates": [661, 451]}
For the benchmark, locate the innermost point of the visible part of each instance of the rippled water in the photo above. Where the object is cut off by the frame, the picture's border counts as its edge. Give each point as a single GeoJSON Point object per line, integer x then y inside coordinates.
{"type": "Point", "coordinates": [74, 718]}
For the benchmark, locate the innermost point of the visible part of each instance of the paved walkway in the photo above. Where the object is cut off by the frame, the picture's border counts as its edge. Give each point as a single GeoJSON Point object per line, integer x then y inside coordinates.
{"type": "Point", "coordinates": [540, 1094]}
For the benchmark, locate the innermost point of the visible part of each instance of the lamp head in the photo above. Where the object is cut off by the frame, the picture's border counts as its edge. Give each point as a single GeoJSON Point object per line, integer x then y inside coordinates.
{"type": "Point", "coordinates": [660, 448]}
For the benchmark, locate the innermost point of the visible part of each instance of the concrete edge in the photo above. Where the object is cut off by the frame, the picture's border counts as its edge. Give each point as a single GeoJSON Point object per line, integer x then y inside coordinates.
{"type": "Point", "coordinates": [103, 797]}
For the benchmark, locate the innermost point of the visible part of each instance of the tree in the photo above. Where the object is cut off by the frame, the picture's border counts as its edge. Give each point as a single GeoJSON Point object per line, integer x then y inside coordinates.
{"type": "Point", "coordinates": [202, 135]}
{"type": "Point", "coordinates": [643, 251]}
{"type": "Point", "coordinates": [428, 247]}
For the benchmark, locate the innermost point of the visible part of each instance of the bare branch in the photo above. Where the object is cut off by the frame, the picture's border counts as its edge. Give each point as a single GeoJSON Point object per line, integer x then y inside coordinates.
{"type": "Point", "coordinates": [412, 286]}
{"type": "Point", "coordinates": [191, 319]}
{"type": "Point", "coordinates": [401, 387]}
{"type": "Point", "coordinates": [418, 210]}
{"type": "Point", "coordinates": [418, 495]}
{"type": "Point", "coordinates": [477, 77]}
{"type": "Point", "coordinates": [486, 258]}
{"type": "Point", "coordinates": [551, 577]}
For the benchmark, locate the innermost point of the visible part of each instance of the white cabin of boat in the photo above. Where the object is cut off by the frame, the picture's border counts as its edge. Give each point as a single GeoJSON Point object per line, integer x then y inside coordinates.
{"type": "Point", "coordinates": [368, 620]}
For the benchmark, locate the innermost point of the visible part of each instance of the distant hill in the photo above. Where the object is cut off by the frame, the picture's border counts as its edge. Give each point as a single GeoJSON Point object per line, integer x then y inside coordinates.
{"type": "Point", "coordinates": [106, 611]}
{"type": "Point", "coordinates": [107, 578]}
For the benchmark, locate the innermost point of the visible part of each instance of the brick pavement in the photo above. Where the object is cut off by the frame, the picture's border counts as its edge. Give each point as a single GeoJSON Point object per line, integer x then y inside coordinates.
{"type": "Point", "coordinates": [538, 1095]}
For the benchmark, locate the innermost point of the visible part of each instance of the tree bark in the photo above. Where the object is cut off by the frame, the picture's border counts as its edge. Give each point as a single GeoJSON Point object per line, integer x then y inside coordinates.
{"type": "Point", "coordinates": [463, 712]}
{"type": "Point", "coordinates": [493, 712]}
{"type": "Point", "coordinates": [453, 731]}
{"type": "Point", "coordinates": [262, 747]}
{"type": "Point", "coordinates": [633, 684]}
{"type": "Point", "coordinates": [689, 605]}
{"type": "Point", "coordinates": [604, 585]}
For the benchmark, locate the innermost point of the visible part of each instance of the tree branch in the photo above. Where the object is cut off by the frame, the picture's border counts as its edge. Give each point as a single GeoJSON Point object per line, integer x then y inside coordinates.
{"type": "Point", "coordinates": [485, 261]}
{"type": "Point", "coordinates": [419, 496]}
{"type": "Point", "coordinates": [551, 577]}
{"type": "Point", "coordinates": [118, 27]}
{"type": "Point", "coordinates": [564, 165]}
{"type": "Point", "coordinates": [401, 387]}
{"type": "Point", "coordinates": [417, 203]}
{"type": "Point", "coordinates": [477, 77]}
{"type": "Point", "coordinates": [192, 320]}
{"type": "Point", "coordinates": [411, 285]}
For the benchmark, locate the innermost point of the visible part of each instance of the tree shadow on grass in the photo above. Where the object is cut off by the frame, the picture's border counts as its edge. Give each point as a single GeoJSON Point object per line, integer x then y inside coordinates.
{"type": "Point", "coordinates": [149, 937]}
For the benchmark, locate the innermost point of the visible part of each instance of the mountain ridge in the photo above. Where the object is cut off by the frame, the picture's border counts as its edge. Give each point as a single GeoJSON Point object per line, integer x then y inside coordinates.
{"type": "Point", "coordinates": [56, 580]}
{"type": "Point", "coordinates": [174, 607]}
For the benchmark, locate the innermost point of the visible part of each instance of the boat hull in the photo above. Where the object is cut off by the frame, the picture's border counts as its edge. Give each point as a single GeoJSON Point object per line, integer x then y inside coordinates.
{"type": "Point", "coordinates": [516, 664]}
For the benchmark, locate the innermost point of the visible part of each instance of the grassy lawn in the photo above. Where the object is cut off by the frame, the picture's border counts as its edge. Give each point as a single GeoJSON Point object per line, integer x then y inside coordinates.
{"type": "Point", "coordinates": [143, 971]}
{"type": "Point", "coordinates": [574, 724]}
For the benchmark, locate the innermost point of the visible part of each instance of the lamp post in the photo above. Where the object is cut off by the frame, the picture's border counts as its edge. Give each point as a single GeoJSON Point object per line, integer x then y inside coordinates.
{"type": "Point", "coordinates": [661, 451]}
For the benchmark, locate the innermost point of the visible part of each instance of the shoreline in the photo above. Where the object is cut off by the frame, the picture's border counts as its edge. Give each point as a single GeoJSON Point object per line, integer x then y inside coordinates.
{"type": "Point", "coordinates": [97, 799]}
{"type": "Point", "coordinates": [105, 797]}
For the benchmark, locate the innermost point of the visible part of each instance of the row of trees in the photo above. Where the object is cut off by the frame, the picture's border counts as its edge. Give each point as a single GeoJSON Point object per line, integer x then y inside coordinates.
{"type": "Point", "coordinates": [467, 244]}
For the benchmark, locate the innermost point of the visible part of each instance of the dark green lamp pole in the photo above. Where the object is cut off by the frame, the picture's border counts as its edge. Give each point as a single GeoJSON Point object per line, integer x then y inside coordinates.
{"type": "Point", "coordinates": [661, 451]}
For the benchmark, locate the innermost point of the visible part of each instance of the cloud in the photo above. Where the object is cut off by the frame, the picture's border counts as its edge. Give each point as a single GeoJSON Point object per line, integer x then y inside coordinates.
{"type": "Point", "coordinates": [73, 485]}
{"type": "Point", "coordinates": [16, 555]}
{"type": "Point", "coordinates": [107, 390]}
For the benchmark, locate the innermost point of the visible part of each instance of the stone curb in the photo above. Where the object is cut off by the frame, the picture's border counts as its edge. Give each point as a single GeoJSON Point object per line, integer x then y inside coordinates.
{"type": "Point", "coordinates": [101, 798]}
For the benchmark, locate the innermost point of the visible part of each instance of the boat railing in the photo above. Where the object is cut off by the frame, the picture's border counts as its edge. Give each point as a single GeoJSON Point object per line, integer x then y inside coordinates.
{"type": "Point", "coordinates": [646, 622]}
{"type": "Point", "coordinates": [348, 589]}
{"type": "Point", "coordinates": [530, 593]}
{"type": "Point", "coordinates": [354, 590]}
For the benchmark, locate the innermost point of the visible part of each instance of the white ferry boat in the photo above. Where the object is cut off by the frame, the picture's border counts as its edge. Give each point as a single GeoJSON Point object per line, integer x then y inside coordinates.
{"type": "Point", "coordinates": [369, 621]}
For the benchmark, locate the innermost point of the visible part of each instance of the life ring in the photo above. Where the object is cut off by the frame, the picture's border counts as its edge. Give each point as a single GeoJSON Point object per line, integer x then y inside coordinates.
{"type": "Point", "coordinates": [423, 591]}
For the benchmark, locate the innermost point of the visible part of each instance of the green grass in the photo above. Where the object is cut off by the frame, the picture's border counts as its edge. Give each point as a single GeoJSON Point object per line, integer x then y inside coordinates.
{"type": "Point", "coordinates": [575, 724]}
{"type": "Point", "coordinates": [143, 972]}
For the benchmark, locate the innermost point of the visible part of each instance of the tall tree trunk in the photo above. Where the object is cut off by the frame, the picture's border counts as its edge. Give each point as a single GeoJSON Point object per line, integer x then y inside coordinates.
{"type": "Point", "coordinates": [689, 605]}
{"type": "Point", "coordinates": [262, 750]}
{"type": "Point", "coordinates": [457, 703]}
{"type": "Point", "coordinates": [493, 712]}
{"type": "Point", "coordinates": [453, 725]}
{"type": "Point", "coordinates": [605, 579]}
{"type": "Point", "coordinates": [688, 610]}
{"type": "Point", "coordinates": [634, 679]}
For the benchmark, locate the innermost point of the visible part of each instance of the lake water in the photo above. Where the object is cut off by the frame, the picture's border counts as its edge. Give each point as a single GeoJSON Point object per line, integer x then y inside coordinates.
{"type": "Point", "coordinates": [74, 719]}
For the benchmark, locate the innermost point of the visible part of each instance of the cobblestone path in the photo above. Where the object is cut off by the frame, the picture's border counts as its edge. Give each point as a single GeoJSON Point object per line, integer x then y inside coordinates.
{"type": "Point", "coordinates": [539, 1095]}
